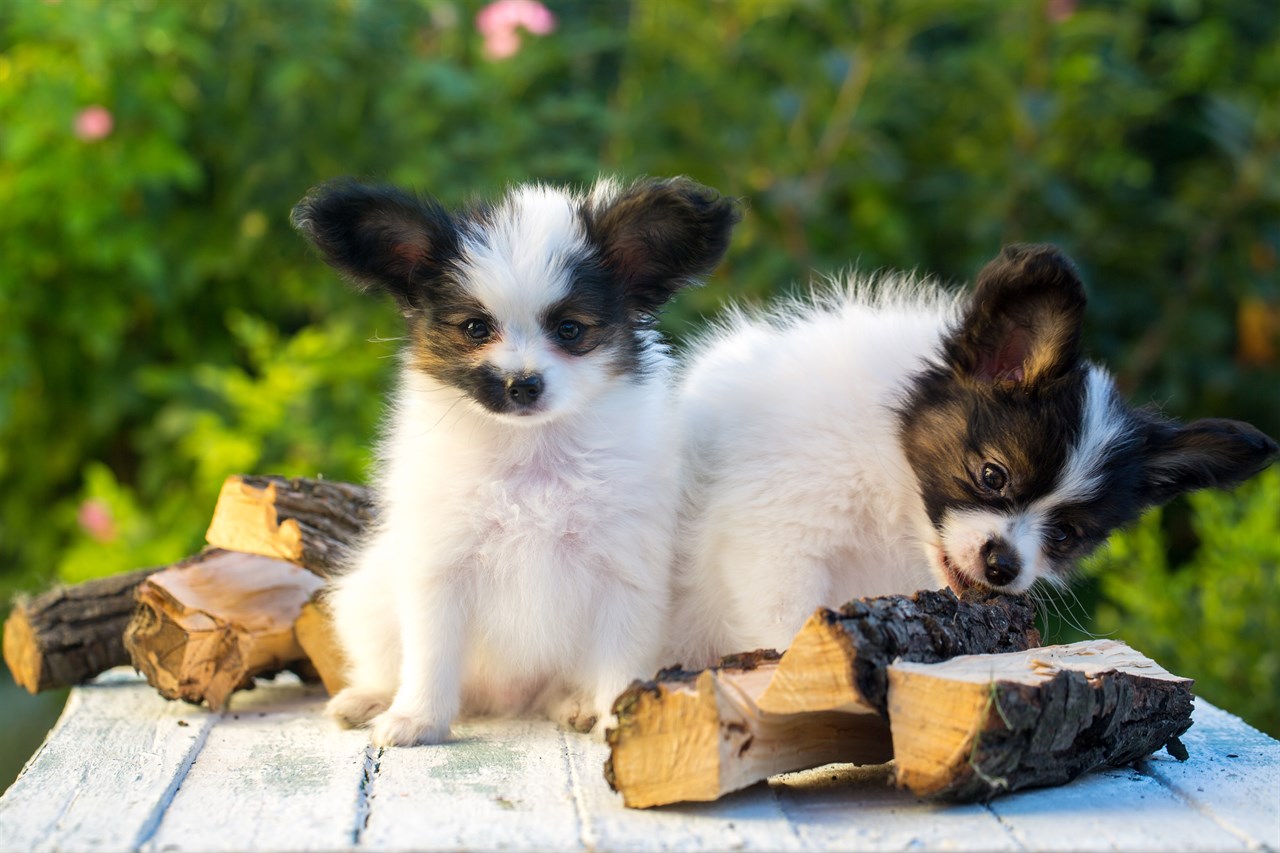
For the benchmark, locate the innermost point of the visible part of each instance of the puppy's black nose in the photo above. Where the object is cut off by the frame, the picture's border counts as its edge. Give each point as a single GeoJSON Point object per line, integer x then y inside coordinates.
{"type": "Point", "coordinates": [525, 389]}
{"type": "Point", "coordinates": [1002, 563]}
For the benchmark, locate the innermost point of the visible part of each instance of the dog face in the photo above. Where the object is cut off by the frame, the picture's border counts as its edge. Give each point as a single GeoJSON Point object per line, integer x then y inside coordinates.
{"type": "Point", "coordinates": [534, 304]}
{"type": "Point", "coordinates": [1026, 456]}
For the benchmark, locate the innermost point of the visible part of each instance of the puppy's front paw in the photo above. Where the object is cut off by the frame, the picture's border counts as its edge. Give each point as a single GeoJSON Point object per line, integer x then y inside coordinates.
{"type": "Point", "coordinates": [574, 714]}
{"type": "Point", "coordinates": [394, 729]}
{"type": "Point", "coordinates": [354, 708]}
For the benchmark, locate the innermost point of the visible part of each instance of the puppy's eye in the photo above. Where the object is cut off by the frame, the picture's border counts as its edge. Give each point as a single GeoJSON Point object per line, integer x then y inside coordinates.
{"type": "Point", "coordinates": [477, 330]}
{"type": "Point", "coordinates": [1061, 534]}
{"type": "Point", "coordinates": [994, 477]}
{"type": "Point", "coordinates": [569, 331]}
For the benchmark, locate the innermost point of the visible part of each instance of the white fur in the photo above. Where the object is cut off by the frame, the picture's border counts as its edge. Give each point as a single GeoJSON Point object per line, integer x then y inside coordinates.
{"type": "Point", "coordinates": [797, 490]}
{"type": "Point", "coordinates": [519, 563]}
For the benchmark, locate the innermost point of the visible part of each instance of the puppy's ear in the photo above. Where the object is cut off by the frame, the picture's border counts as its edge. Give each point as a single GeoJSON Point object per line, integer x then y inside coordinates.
{"type": "Point", "coordinates": [379, 238]}
{"type": "Point", "coordinates": [1023, 322]}
{"type": "Point", "coordinates": [1208, 453]}
{"type": "Point", "coordinates": [656, 236]}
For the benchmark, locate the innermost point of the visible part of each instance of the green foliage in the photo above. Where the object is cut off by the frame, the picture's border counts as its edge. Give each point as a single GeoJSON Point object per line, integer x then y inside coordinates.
{"type": "Point", "coordinates": [1212, 616]}
{"type": "Point", "coordinates": [161, 326]}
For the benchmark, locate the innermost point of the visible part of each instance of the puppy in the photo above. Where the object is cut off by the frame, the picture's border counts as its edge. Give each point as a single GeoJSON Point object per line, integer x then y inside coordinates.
{"type": "Point", "coordinates": [528, 486]}
{"type": "Point", "coordinates": [890, 437]}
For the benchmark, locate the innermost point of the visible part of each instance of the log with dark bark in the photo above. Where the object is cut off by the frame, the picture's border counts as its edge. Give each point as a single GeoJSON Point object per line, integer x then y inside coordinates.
{"type": "Point", "coordinates": [839, 659]}
{"type": "Point", "coordinates": [71, 633]}
{"type": "Point", "coordinates": [312, 523]}
{"type": "Point", "coordinates": [695, 736]}
{"type": "Point", "coordinates": [208, 627]}
{"type": "Point", "coordinates": [979, 725]}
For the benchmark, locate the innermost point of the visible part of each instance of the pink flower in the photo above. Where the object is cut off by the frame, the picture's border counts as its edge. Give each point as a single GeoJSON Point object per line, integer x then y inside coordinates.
{"type": "Point", "coordinates": [500, 21]}
{"type": "Point", "coordinates": [1060, 10]}
{"type": "Point", "coordinates": [95, 519]}
{"type": "Point", "coordinates": [94, 123]}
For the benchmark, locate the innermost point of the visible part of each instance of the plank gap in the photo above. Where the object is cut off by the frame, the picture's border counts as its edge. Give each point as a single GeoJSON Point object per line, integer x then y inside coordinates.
{"type": "Point", "coordinates": [153, 820]}
{"type": "Point", "coordinates": [364, 792]}
{"type": "Point", "coordinates": [586, 836]}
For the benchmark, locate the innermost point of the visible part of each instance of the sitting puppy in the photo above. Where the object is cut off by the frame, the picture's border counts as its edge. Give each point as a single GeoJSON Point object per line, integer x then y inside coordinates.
{"type": "Point", "coordinates": [892, 437]}
{"type": "Point", "coordinates": [529, 476]}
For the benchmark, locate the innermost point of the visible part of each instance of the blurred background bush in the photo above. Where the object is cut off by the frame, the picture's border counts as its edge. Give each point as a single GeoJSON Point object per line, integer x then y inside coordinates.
{"type": "Point", "coordinates": [161, 327]}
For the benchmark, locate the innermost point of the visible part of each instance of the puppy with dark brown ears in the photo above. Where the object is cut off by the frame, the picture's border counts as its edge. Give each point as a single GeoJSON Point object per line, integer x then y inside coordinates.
{"type": "Point", "coordinates": [888, 436]}
{"type": "Point", "coordinates": [529, 477]}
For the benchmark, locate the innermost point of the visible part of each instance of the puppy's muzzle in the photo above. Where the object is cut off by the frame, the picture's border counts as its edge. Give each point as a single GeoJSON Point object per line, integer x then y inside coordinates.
{"type": "Point", "coordinates": [525, 390]}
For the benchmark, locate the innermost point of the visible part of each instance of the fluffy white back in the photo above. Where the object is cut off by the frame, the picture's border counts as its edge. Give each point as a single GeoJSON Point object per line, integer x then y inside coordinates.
{"type": "Point", "coordinates": [797, 491]}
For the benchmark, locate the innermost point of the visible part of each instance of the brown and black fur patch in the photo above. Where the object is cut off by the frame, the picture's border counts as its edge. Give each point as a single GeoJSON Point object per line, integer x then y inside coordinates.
{"type": "Point", "coordinates": [381, 238]}
{"type": "Point", "coordinates": [660, 234]}
{"type": "Point", "coordinates": [1012, 387]}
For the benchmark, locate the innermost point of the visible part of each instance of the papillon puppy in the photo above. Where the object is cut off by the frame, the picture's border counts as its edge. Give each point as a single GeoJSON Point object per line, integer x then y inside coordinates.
{"type": "Point", "coordinates": [529, 471]}
{"type": "Point", "coordinates": [889, 436]}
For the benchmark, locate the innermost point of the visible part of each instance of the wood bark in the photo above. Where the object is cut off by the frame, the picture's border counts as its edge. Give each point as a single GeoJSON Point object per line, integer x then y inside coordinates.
{"type": "Point", "coordinates": [975, 726]}
{"type": "Point", "coordinates": [316, 636]}
{"type": "Point", "coordinates": [71, 633]}
{"type": "Point", "coordinates": [839, 660]}
{"type": "Point", "coordinates": [312, 523]}
{"type": "Point", "coordinates": [695, 736]}
{"type": "Point", "coordinates": [208, 627]}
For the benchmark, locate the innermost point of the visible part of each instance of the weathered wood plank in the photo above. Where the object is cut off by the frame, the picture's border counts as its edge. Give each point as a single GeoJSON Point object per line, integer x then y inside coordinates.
{"type": "Point", "coordinates": [274, 774]}
{"type": "Point", "coordinates": [121, 772]}
{"type": "Point", "coordinates": [107, 772]}
{"type": "Point", "coordinates": [500, 784]}
{"type": "Point", "coordinates": [844, 807]}
{"type": "Point", "coordinates": [1232, 776]}
{"type": "Point", "coordinates": [1113, 809]}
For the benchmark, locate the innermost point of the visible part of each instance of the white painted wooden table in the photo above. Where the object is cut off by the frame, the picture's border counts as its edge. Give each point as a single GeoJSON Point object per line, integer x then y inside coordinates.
{"type": "Point", "coordinates": [126, 770]}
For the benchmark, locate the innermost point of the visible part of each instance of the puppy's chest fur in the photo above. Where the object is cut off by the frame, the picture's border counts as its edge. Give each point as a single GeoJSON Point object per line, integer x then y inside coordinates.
{"type": "Point", "coordinates": [537, 513]}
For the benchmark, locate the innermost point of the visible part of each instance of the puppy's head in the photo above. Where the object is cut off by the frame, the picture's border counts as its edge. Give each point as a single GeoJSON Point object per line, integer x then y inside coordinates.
{"type": "Point", "coordinates": [531, 305]}
{"type": "Point", "coordinates": [1025, 454]}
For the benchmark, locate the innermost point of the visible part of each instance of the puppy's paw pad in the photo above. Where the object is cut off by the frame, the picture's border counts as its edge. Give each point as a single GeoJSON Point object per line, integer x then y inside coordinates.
{"type": "Point", "coordinates": [392, 729]}
{"type": "Point", "coordinates": [354, 708]}
{"type": "Point", "coordinates": [575, 716]}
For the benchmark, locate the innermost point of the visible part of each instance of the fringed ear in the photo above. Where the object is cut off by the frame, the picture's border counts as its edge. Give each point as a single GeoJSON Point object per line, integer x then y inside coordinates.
{"type": "Point", "coordinates": [1208, 453]}
{"type": "Point", "coordinates": [1023, 322]}
{"type": "Point", "coordinates": [379, 237]}
{"type": "Point", "coordinates": [656, 236]}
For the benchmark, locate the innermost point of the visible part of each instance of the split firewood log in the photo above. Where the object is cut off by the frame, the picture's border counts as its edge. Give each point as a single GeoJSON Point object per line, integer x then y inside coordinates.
{"type": "Point", "coordinates": [978, 725]}
{"type": "Point", "coordinates": [309, 522]}
{"type": "Point", "coordinates": [69, 634]}
{"type": "Point", "coordinates": [314, 630]}
{"type": "Point", "coordinates": [839, 659]}
{"type": "Point", "coordinates": [207, 627]}
{"type": "Point", "coordinates": [695, 736]}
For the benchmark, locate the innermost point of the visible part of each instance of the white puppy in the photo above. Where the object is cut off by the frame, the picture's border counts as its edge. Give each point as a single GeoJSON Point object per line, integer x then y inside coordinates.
{"type": "Point", "coordinates": [891, 436]}
{"type": "Point", "coordinates": [529, 474]}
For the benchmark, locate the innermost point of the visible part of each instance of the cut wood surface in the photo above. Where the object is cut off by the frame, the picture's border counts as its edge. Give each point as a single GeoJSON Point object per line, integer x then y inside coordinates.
{"type": "Point", "coordinates": [71, 633]}
{"type": "Point", "coordinates": [309, 522]}
{"type": "Point", "coordinates": [839, 659]}
{"type": "Point", "coordinates": [314, 630]}
{"type": "Point", "coordinates": [978, 725]}
{"type": "Point", "coordinates": [207, 627]}
{"type": "Point", "coordinates": [695, 736]}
